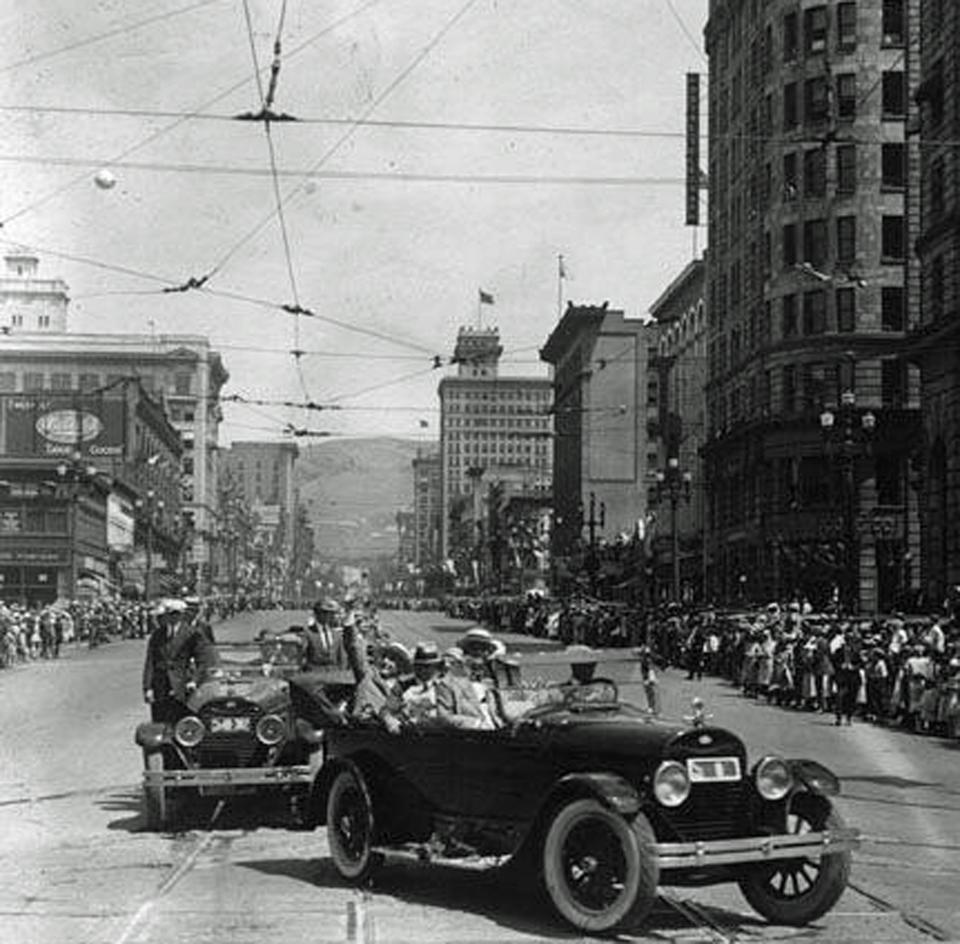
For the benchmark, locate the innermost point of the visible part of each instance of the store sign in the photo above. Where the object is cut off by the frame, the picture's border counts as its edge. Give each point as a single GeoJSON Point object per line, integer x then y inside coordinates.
{"type": "Point", "coordinates": [30, 555]}
{"type": "Point", "coordinates": [48, 425]}
{"type": "Point", "coordinates": [119, 524]}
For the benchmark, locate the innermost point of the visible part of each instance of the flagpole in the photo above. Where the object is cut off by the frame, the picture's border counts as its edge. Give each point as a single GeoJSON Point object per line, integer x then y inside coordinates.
{"type": "Point", "coordinates": [559, 286]}
{"type": "Point", "coordinates": [479, 310]}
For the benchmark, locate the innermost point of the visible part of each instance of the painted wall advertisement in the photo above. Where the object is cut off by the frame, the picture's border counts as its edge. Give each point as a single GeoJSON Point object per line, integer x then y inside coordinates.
{"type": "Point", "coordinates": [46, 425]}
{"type": "Point", "coordinates": [120, 524]}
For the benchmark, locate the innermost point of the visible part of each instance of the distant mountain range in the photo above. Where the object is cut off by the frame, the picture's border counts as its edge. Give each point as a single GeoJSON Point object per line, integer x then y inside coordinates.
{"type": "Point", "coordinates": [352, 489]}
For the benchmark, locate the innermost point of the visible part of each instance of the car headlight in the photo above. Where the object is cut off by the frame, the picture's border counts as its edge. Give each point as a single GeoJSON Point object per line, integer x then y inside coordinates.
{"type": "Point", "coordinates": [773, 778]}
{"type": "Point", "coordinates": [671, 783]}
{"type": "Point", "coordinates": [189, 731]}
{"type": "Point", "coordinates": [271, 729]}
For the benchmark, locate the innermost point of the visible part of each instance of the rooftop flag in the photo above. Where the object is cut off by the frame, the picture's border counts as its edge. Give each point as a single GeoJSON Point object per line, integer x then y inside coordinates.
{"type": "Point", "coordinates": [485, 298]}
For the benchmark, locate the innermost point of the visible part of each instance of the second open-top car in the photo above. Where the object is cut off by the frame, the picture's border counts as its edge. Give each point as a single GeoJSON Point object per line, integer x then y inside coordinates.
{"type": "Point", "coordinates": [604, 800]}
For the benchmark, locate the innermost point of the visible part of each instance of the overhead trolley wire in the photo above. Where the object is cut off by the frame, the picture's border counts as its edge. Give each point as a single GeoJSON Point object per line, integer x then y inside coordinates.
{"type": "Point", "coordinates": [349, 133]}
{"type": "Point", "coordinates": [181, 118]}
{"type": "Point", "coordinates": [219, 293]}
{"type": "Point", "coordinates": [110, 34]}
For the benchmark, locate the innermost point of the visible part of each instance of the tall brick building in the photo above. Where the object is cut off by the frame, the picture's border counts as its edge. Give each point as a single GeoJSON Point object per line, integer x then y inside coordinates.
{"type": "Point", "coordinates": [810, 290]}
{"type": "Point", "coordinates": [936, 341]}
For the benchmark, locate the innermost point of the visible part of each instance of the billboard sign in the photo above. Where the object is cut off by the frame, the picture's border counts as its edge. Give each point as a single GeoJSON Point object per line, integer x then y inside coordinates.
{"type": "Point", "coordinates": [120, 524]}
{"type": "Point", "coordinates": [693, 149]}
{"type": "Point", "coordinates": [45, 425]}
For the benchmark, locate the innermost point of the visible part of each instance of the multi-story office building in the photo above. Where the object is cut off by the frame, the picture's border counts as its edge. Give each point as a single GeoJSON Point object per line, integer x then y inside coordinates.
{"type": "Point", "coordinates": [259, 481]}
{"type": "Point", "coordinates": [810, 291]}
{"type": "Point", "coordinates": [606, 404]}
{"type": "Point", "coordinates": [680, 314]}
{"type": "Point", "coordinates": [181, 372]}
{"type": "Point", "coordinates": [426, 509]}
{"type": "Point", "coordinates": [487, 420]}
{"type": "Point", "coordinates": [937, 336]}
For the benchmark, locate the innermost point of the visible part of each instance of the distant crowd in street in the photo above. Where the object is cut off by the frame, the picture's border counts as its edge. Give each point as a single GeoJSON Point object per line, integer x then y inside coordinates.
{"type": "Point", "coordinates": [896, 669]}
{"type": "Point", "coordinates": [33, 633]}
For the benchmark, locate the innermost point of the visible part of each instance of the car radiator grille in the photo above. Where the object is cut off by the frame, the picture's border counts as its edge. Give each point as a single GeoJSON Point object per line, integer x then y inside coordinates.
{"type": "Point", "coordinates": [713, 811]}
{"type": "Point", "coordinates": [230, 749]}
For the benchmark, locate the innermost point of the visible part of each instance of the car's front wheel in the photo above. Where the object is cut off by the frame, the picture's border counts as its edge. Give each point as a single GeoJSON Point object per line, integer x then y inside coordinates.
{"type": "Point", "coordinates": [598, 868]}
{"type": "Point", "coordinates": [350, 826]}
{"type": "Point", "coordinates": [798, 891]}
{"type": "Point", "coordinates": [157, 799]}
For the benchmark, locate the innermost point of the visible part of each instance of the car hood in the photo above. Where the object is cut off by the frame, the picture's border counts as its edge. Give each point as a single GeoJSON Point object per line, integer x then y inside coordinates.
{"type": "Point", "coordinates": [634, 737]}
{"type": "Point", "coordinates": [268, 694]}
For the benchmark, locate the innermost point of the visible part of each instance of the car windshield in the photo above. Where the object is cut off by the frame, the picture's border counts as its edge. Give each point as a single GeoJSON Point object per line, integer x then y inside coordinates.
{"type": "Point", "coordinates": [519, 703]}
{"type": "Point", "coordinates": [272, 655]}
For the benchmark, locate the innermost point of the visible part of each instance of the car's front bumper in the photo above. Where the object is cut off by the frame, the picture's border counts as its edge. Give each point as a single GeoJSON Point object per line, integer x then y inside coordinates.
{"type": "Point", "coordinates": [230, 777]}
{"type": "Point", "coordinates": [755, 849]}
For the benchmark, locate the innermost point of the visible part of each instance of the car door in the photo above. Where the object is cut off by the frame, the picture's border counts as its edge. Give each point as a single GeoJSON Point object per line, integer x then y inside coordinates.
{"type": "Point", "coordinates": [501, 774]}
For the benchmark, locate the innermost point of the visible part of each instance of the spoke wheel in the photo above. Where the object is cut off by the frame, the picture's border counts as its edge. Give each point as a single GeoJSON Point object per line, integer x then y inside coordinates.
{"type": "Point", "coordinates": [798, 891]}
{"type": "Point", "coordinates": [350, 826]}
{"type": "Point", "coordinates": [598, 868]}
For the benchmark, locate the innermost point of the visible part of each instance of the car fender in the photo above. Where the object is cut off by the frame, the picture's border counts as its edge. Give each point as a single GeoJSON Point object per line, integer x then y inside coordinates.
{"type": "Point", "coordinates": [814, 777]}
{"type": "Point", "coordinates": [151, 735]}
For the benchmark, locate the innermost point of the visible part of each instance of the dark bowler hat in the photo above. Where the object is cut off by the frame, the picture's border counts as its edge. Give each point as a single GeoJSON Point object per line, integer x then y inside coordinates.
{"type": "Point", "coordinates": [426, 653]}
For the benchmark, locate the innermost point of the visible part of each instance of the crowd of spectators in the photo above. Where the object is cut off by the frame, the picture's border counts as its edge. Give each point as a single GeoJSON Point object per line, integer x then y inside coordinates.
{"type": "Point", "coordinates": [891, 670]}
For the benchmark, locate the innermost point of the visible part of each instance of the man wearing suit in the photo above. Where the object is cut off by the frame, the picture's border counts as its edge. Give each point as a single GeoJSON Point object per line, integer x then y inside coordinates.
{"type": "Point", "coordinates": [178, 653]}
{"type": "Point", "coordinates": [325, 644]}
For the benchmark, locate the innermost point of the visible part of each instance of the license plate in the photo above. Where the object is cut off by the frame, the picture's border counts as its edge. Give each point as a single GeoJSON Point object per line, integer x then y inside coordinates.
{"type": "Point", "coordinates": [713, 769]}
{"type": "Point", "coordinates": [229, 725]}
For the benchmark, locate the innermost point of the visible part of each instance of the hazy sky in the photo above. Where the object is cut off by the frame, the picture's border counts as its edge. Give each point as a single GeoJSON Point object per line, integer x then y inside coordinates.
{"type": "Point", "coordinates": [377, 247]}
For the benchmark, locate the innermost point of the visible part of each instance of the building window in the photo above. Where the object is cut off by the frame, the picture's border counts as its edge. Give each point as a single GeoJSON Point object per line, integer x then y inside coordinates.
{"type": "Point", "coordinates": [894, 23]}
{"type": "Point", "coordinates": [181, 384]}
{"type": "Point", "coordinates": [846, 26]}
{"type": "Point", "coordinates": [32, 382]}
{"type": "Point", "coordinates": [791, 37]}
{"type": "Point", "coordinates": [815, 312]}
{"type": "Point", "coordinates": [937, 288]}
{"type": "Point", "coordinates": [791, 183]}
{"type": "Point", "coordinates": [16, 320]}
{"type": "Point", "coordinates": [846, 310]}
{"type": "Point", "coordinates": [815, 30]}
{"type": "Point", "coordinates": [789, 245]}
{"type": "Point", "coordinates": [43, 321]}
{"type": "Point", "coordinates": [8, 382]}
{"type": "Point", "coordinates": [89, 381]}
{"type": "Point", "coordinates": [892, 310]}
{"type": "Point", "coordinates": [847, 95]}
{"type": "Point", "coordinates": [893, 384]}
{"type": "Point", "coordinates": [815, 173]}
{"type": "Point", "coordinates": [767, 49]}
{"type": "Point", "coordinates": [788, 316]}
{"type": "Point", "coordinates": [815, 242]}
{"type": "Point", "coordinates": [846, 239]}
{"type": "Point", "coordinates": [61, 381]}
{"type": "Point", "coordinates": [893, 167]}
{"type": "Point", "coordinates": [894, 95]}
{"type": "Point", "coordinates": [937, 187]}
{"type": "Point", "coordinates": [789, 388]}
{"type": "Point", "coordinates": [790, 115]}
{"type": "Point", "coordinates": [893, 239]}
{"type": "Point", "coordinates": [816, 101]}
{"type": "Point", "coordinates": [846, 168]}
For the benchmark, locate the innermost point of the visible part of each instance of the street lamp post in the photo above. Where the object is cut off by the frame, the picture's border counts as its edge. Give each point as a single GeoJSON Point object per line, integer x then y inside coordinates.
{"type": "Point", "coordinates": [848, 433]}
{"type": "Point", "coordinates": [675, 484]}
{"type": "Point", "coordinates": [598, 518]}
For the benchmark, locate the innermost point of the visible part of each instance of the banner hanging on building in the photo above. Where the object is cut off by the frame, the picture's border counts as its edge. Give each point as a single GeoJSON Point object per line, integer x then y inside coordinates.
{"type": "Point", "coordinates": [693, 149]}
{"type": "Point", "coordinates": [50, 425]}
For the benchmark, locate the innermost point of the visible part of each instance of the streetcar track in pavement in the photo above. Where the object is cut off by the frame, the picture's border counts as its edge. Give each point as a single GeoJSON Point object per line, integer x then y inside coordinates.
{"type": "Point", "coordinates": [702, 920]}
{"type": "Point", "coordinates": [185, 865]}
{"type": "Point", "coordinates": [911, 919]}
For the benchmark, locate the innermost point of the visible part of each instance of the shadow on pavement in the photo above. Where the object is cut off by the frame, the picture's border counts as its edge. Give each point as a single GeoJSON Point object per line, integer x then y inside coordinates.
{"type": "Point", "coordinates": [500, 895]}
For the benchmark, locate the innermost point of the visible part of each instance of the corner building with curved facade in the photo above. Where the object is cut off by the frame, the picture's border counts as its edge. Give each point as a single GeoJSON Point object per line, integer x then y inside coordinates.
{"type": "Point", "coordinates": [811, 289]}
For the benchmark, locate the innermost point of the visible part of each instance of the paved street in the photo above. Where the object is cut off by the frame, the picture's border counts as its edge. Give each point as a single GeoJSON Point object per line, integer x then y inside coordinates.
{"type": "Point", "coordinates": [76, 865]}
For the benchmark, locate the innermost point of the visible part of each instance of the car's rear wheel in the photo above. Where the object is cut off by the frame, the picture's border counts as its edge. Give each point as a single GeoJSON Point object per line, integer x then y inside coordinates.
{"type": "Point", "coordinates": [798, 891]}
{"type": "Point", "coordinates": [157, 799]}
{"type": "Point", "coordinates": [598, 868]}
{"type": "Point", "coordinates": [350, 826]}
